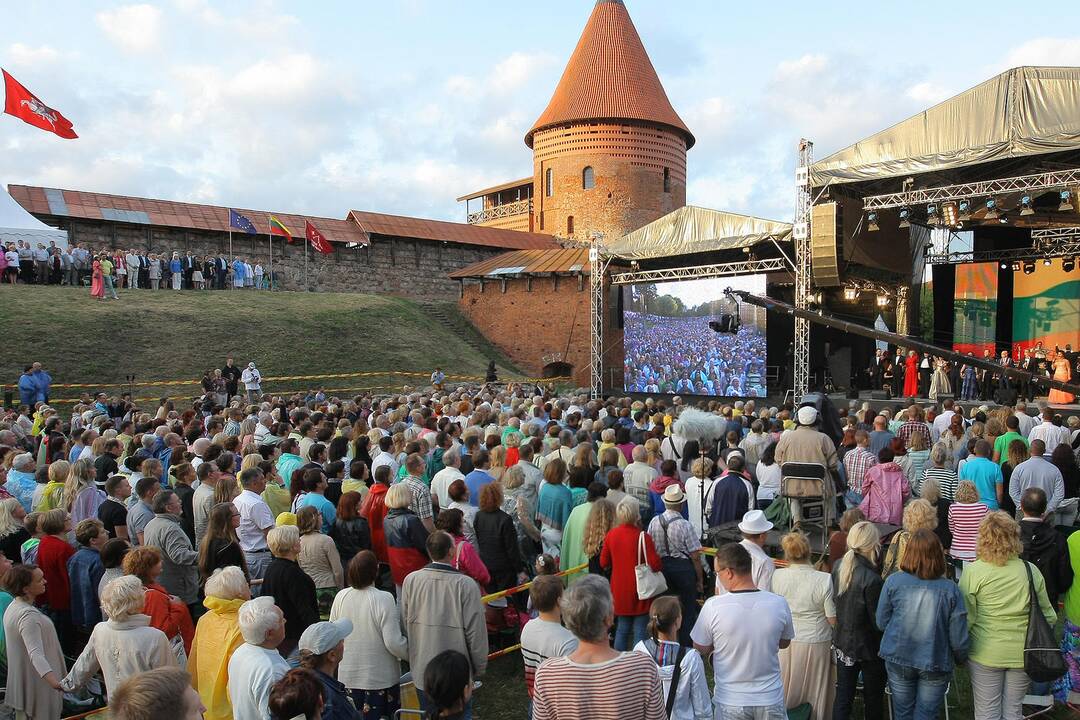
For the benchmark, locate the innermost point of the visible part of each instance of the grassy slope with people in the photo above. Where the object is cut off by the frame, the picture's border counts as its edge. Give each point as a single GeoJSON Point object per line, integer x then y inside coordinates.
{"type": "Point", "coordinates": [167, 335]}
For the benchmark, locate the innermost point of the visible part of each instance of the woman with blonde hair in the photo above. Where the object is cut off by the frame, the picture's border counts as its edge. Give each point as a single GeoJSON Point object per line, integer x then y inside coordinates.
{"type": "Point", "coordinates": [13, 532]}
{"type": "Point", "coordinates": [497, 456]}
{"type": "Point", "coordinates": [806, 665]}
{"type": "Point", "coordinates": [918, 515]}
{"type": "Point", "coordinates": [914, 462]}
{"type": "Point", "coordinates": [856, 585]}
{"type": "Point", "coordinates": [82, 498]}
{"type": "Point", "coordinates": [997, 590]}
{"type": "Point", "coordinates": [319, 557]}
{"type": "Point", "coordinates": [653, 456]}
{"type": "Point", "coordinates": [226, 490]}
{"type": "Point", "coordinates": [966, 514]}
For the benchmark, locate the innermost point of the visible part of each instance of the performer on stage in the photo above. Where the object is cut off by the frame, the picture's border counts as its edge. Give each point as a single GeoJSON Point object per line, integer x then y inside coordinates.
{"type": "Point", "coordinates": [939, 382]}
{"type": "Point", "coordinates": [986, 378]}
{"type": "Point", "coordinates": [1005, 362]}
{"type": "Point", "coordinates": [970, 388]}
{"type": "Point", "coordinates": [911, 375]}
{"type": "Point", "coordinates": [926, 369]}
{"type": "Point", "coordinates": [1062, 373]}
{"type": "Point", "coordinates": [898, 373]}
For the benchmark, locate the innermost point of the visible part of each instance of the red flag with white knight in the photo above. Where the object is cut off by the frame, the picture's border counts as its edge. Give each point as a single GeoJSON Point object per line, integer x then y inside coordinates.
{"type": "Point", "coordinates": [318, 240]}
{"type": "Point", "coordinates": [23, 104]}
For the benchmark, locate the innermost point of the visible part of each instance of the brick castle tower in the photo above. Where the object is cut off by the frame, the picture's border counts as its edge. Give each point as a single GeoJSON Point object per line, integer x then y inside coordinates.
{"type": "Point", "coordinates": [609, 152]}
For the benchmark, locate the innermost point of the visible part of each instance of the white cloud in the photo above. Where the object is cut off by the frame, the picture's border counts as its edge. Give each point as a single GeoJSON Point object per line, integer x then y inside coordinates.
{"type": "Point", "coordinates": [807, 65]}
{"type": "Point", "coordinates": [1045, 51]}
{"type": "Point", "coordinates": [20, 54]}
{"type": "Point", "coordinates": [928, 93]}
{"type": "Point", "coordinates": [135, 28]}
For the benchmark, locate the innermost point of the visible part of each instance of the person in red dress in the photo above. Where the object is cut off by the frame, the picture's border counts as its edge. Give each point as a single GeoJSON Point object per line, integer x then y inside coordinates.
{"type": "Point", "coordinates": [911, 375]}
{"type": "Point", "coordinates": [621, 554]}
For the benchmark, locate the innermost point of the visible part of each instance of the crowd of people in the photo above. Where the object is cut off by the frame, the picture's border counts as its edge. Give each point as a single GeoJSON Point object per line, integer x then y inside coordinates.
{"type": "Point", "coordinates": [684, 355]}
{"type": "Point", "coordinates": [925, 376]}
{"type": "Point", "coordinates": [258, 556]}
{"type": "Point", "coordinates": [107, 271]}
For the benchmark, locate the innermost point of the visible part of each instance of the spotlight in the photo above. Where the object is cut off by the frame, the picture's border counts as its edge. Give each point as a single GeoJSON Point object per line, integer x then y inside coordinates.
{"type": "Point", "coordinates": [928, 249]}
{"type": "Point", "coordinates": [1047, 262]}
{"type": "Point", "coordinates": [818, 298]}
{"type": "Point", "coordinates": [1015, 266]}
{"type": "Point", "coordinates": [1025, 206]}
{"type": "Point", "coordinates": [1029, 267]}
{"type": "Point", "coordinates": [882, 300]}
{"type": "Point", "coordinates": [1005, 266]}
{"type": "Point", "coordinates": [1066, 201]}
{"type": "Point", "coordinates": [949, 213]}
{"type": "Point", "coordinates": [932, 218]}
{"type": "Point", "coordinates": [965, 211]}
{"type": "Point", "coordinates": [1068, 264]}
{"type": "Point", "coordinates": [851, 294]}
{"type": "Point", "coordinates": [1004, 219]}
{"type": "Point", "coordinates": [871, 222]}
{"type": "Point", "coordinates": [905, 218]}
{"type": "Point", "coordinates": [992, 210]}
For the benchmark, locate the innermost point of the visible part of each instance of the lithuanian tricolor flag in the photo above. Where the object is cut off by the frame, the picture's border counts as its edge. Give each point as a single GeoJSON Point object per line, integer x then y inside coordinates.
{"type": "Point", "coordinates": [278, 228]}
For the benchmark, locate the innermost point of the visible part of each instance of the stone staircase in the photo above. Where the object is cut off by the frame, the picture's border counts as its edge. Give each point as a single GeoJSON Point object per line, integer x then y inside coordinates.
{"type": "Point", "coordinates": [447, 314]}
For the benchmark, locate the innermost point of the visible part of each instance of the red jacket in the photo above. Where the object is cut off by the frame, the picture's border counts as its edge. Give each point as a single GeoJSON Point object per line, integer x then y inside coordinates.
{"type": "Point", "coordinates": [167, 616]}
{"type": "Point", "coordinates": [53, 554]}
{"type": "Point", "coordinates": [620, 554]}
{"type": "Point", "coordinates": [374, 511]}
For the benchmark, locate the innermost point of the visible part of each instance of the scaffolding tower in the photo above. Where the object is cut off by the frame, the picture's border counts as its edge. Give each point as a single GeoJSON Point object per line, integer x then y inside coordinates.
{"type": "Point", "coordinates": [801, 235]}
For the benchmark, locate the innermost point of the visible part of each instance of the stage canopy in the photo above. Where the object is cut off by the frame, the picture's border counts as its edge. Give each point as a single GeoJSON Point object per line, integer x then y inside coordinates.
{"type": "Point", "coordinates": [691, 230]}
{"type": "Point", "coordinates": [1023, 111]}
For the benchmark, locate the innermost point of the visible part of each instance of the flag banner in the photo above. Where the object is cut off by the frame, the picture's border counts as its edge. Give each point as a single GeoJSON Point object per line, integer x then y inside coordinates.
{"type": "Point", "coordinates": [23, 104]}
{"type": "Point", "coordinates": [318, 240]}
{"type": "Point", "coordinates": [238, 221]}
{"type": "Point", "coordinates": [277, 228]}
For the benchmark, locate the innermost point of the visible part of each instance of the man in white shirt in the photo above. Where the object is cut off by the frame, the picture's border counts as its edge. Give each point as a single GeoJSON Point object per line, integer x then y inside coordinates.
{"type": "Point", "coordinates": [544, 637]}
{"type": "Point", "coordinates": [256, 521]}
{"type": "Point", "coordinates": [1049, 433]}
{"type": "Point", "coordinates": [755, 529]}
{"type": "Point", "coordinates": [533, 477]}
{"type": "Point", "coordinates": [1026, 421]}
{"type": "Point", "coordinates": [262, 428]}
{"type": "Point", "coordinates": [256, 665]}
{"type": "Point", "coordinates": [745, 654]}
{"type": "Point", "coordinates": [440, 483]}
{"type": "Point", "coordinates": [942, 421]}
{"type": "Point", "coordinates": [385, 457]}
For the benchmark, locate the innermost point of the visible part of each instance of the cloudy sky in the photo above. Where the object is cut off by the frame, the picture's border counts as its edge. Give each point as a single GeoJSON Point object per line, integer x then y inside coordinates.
{"type": "Point", "coordinates": [402, 106]}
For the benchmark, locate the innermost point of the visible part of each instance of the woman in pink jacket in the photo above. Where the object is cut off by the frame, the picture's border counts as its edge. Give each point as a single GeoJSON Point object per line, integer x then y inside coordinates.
{"type": "Point", "coordinates": [884, 490]}
{"type": "Point", "coordinates": [466, 558]}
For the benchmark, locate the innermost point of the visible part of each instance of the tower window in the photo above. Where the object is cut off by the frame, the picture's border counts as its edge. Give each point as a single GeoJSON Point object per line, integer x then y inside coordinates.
{"type": "Point", "coordinates": [667, 180]}
{"type": "Point", "coordinates": [569, 224]}
{"type": "Point", "coordinates": [549, 184]}
{"type": "Point", "coordinates": [588, 178]}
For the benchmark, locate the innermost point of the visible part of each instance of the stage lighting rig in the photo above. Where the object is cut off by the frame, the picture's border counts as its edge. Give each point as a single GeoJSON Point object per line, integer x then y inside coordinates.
{"type": "Point", "coordinates": [1015, 265]}
{"type": "Point", "coordinates": [964, 211]}
{"type": "Point", "coordinates": [1068, 264]}
{"type": "Point", "coordinates": [871, 222]}
{"type": "Point", "coordinates": [1047, 262]}
{"type": "Point", "coordinates": [1066, 201]}
{"type": "Point", "coordinates": [905, 217]}
{"type": "Point", "coordinates": [992, 210]}
{"type": "Point", "coordinates": [1025, 206]}
{"type": "Point", "coordinates": [851, 293]}
{"type": "Point", "coordinates": [949, 214]}
{"type": "Point", "coordinates": [932, 218]}
{"type": "Point", "coordinates": [1029, 267]}
{"type": "Point", "coordinates": [883, 300]}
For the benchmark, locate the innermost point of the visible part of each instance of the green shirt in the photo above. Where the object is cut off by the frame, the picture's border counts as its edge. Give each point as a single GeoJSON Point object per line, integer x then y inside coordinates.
{"type": "Point", "coordinates": [573, 553]}
{"type": "Point", "coordinates": [1072, 595]}
{"type": "Point", "coordinates": [997, 599]}
{"type": "Point", "coordinates": [106, 267]}
{"type": "Point", "coordinates": [1001, 445]}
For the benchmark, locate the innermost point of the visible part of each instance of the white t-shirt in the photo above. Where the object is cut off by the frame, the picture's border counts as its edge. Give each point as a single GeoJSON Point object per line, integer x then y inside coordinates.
{"type": "Point", "coordinates": [762, 570]}
{"type": "Point", "coordinates": [768, 477]}
{"type": "Point", "coordinates": [253, 670]}
{"type": "Point", "coordinates": [255, 517]}
{"type": "Point", "coordinates": [746, 655]}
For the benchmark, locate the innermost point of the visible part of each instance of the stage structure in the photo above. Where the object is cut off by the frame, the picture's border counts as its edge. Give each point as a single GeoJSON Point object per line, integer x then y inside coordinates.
{"type": "Point", "coordinates": [689, 244]}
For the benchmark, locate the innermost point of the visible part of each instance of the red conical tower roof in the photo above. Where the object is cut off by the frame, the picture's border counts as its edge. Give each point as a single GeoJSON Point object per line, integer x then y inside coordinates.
{"type": "Point", "coordinates": [610, 77]}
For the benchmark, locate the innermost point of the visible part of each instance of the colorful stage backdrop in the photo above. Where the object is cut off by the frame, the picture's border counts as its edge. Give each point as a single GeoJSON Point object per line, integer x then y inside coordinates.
{"type": "Point", "coordinates": [975, 308]}
{"type": "Point", "coordinates": [1046, 307]}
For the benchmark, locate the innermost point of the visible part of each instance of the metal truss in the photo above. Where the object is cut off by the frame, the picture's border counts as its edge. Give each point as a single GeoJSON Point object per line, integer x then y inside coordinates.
{"type": "Point", "coordinates": [1055, 235]}
{"type": "Point", "coordinates": [1064, 249]}
{"type": "Point", "coordinates": [597, 268]}
{"type": "Point", "coordinates": [1039, 181]}
{"type": "Point", "coordinates": [745, 267]}
{"type": "Point", "coordinates": [801, 237]}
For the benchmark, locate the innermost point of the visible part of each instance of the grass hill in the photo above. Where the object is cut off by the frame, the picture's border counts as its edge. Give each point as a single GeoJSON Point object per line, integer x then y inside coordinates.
{"type": "Point", "coordinates": [169, 335]}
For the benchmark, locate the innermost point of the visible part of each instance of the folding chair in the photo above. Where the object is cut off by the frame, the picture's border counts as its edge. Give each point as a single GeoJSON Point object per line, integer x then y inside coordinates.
{"type": "Point", "coordinates": [803, 486]}
{"type": "Point", "coordinates": [1039, 704]}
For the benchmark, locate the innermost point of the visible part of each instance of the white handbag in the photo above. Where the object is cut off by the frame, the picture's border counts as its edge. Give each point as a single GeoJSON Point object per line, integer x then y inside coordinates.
{"type": "Point", "coordinates": [649, 582]}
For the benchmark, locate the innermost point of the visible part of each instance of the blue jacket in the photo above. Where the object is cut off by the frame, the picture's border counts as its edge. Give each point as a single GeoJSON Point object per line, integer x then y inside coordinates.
{"type": "Point", "coordinates": [27, 389]}
{"type": "Point", "coordinates": [85, 571]}
{"type": "Point", "coordinates": [43, 381]}
{"type": "Point", "coordinates": [924, 623]}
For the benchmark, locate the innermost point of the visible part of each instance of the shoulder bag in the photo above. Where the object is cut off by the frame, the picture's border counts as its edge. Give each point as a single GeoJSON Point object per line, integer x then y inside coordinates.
{"type": "Point", "coordinates": [649, 582]}
{"type": "Point", "coordinates": [676, 672]}
{"type": "Point", "coordinates": [1043, 661]}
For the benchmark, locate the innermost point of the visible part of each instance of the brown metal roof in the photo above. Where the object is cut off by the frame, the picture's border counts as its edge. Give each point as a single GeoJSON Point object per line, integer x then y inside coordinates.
{"type": "Point", "coordinates": [54, 203]}
{"type": "Point", "coordinates": [47, 204]}
{"type": "Point", "coordinates": [610, 77]}
{"type": "Point", "coordinates": [400, 226]}
{"type": "Point", "coordinates": [497, 188]}
{"type": "Point", "coordinates": [528, 262]}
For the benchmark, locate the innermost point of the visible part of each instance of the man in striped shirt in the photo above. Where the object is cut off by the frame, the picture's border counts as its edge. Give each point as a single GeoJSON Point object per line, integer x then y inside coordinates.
{"type": "Point", "coordinates": [946, 478]}
{"type": "Point", "coordinates": [544, 636]}
{"type": "Point", "coordinates": [856, 463]}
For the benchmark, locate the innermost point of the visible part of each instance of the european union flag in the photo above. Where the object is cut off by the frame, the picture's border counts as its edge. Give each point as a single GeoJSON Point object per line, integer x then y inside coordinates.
{"type": "Point", "coordinates": [240, 222]}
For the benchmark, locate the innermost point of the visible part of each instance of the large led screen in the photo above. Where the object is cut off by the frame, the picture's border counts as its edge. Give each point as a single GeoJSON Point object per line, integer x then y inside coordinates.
{"type": "Point", "coordinates": [670, 348]}
{"type": "Point", "coordinates": [1046, 307]}
{"type": "Point", "coordinates": [975, 308]}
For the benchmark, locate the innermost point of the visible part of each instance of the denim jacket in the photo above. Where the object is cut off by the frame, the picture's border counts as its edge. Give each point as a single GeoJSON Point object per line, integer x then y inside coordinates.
{"type": "Point", "coordinates": [924, 623]}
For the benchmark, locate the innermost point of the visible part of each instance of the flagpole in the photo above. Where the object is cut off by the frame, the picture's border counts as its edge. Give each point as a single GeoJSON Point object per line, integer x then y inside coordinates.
{"type": "Point", "coordinates": [306, 286]}
{"type": "Point", "coordinates": [229, 263]}
{"type": "Point", "coordinates": [271, 239]}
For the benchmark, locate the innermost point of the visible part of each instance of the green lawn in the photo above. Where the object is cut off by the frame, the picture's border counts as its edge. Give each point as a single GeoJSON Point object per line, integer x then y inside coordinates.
{"type": "Point", "coordinates": [169, 335]}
